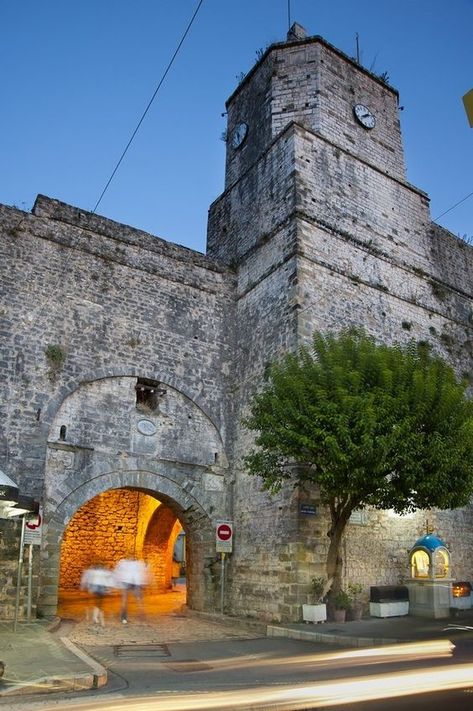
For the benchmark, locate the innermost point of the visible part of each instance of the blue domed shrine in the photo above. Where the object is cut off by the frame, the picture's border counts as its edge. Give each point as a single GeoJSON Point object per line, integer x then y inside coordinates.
{"type": "Point", "coordinates": [430, 586]}
{"type": "Point", "coordinates": [429, 558]}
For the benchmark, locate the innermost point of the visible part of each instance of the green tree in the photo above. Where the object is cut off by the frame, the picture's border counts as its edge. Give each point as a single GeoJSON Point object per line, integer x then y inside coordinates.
{"type": "Point", "coordinates": [388, 427]}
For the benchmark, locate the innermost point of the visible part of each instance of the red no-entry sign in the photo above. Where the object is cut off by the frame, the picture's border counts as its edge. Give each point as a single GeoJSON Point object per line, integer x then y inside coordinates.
{"type": "Point", "coordinates": [224, 536]}
{"type": "Point", "coordinates": [33, 529]}
{"type": "Point", "coordinates": [224, 532]}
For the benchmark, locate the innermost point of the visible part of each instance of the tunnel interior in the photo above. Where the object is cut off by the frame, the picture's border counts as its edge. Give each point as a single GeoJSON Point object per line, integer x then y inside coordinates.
{"type": "Point", "coordinates": [123, 523]}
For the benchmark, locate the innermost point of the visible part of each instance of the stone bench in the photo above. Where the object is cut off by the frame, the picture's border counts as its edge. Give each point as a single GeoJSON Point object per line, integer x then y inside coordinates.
{"type": "Point", "coordinates": [389, 600]}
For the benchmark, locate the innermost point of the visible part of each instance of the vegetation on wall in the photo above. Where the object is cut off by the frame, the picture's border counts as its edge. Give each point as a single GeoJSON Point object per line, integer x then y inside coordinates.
{"type": "Point", "coordinates": [16, 230]}
{"type": "Point", "coordinates": [388, 427]}
{"type": "Point", "coordinates": [438, 290]}
{"type": "Point", "coordinates": [55, 355]}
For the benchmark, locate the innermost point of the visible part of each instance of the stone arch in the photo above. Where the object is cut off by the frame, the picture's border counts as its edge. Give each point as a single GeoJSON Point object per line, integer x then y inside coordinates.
{"type": "Point", "coordinates": [104, 427]}
{"type": "Point", "coordinates": [164, 376]}
{"type": "Point", "coordinates": [192, 514]}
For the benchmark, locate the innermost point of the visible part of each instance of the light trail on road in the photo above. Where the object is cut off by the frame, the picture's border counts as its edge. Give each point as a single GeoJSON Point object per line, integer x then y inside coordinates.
{"type": "Point", "coordinates": [405, 652]}
{"type": "Point", "coordinates": [306, 696]}
{"type": "Point", "coordinates": [312, 695]}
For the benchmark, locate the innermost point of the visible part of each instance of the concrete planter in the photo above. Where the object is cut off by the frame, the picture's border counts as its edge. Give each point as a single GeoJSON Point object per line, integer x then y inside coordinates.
{"type": "Point", "coordinates": [355, 611]}
{"type": "Point", "coordinates": [389, 609]}
{"type": "Point", "coordinates": [339, 615]}
{"type": "Point", "coordinates": [314, 613]}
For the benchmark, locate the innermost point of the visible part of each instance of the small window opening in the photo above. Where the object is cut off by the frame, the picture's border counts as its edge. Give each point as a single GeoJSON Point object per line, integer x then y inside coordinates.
{"type": "Point", "coordinates": [62, 433]}
{"type": "Point", "coordinates": [148, 393]}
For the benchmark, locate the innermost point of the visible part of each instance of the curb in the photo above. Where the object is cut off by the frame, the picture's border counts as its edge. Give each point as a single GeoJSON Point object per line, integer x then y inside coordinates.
{"type": "Point", "coordinates": [327, 638]}
{"type": "Point", "coordinates": [99, 672]}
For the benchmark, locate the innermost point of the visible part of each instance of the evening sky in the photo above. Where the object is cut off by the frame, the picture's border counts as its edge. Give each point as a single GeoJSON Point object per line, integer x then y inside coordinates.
{"type": "Point", "coordinates": [77, 76]}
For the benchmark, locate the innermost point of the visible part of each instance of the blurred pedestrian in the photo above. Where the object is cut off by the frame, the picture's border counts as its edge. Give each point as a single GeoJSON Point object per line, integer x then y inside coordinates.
{"type": "Point", "coordinates": [131, 575]}
{"type": "Point", "coordinates": [98, 581]}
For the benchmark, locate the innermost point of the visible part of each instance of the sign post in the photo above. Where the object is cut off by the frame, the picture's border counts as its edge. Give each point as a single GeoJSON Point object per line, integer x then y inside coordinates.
{"type": "Point", "coordinates": [222, 581]}
{"type": "Point", "coordinates": [224, 544]}
{"type": "Point", "coordinates": [32, 537]}
{"type": "Point", "coordinates": [30, 582]}
{"type": "Point", "coordinates": [18, 577]}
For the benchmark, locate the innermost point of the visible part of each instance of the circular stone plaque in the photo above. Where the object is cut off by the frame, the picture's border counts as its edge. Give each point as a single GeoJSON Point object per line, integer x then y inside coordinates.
{"type": "Point", "coordinates": [146, 427]}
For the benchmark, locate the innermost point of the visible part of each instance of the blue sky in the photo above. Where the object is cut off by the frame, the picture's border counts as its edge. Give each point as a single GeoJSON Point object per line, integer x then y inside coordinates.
{"type": "Point", "coordinates": [76, 77]}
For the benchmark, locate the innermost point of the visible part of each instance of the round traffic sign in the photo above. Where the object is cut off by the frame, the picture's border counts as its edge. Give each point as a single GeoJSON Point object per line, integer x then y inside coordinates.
{"type": "Point", "coordinates": [34, 522]}
{"type": "Point", "coordinates": [224, 532]}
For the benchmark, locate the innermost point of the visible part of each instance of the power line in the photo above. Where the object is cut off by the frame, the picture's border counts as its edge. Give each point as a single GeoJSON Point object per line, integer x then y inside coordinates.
{"type": "Point", "coordinates": [149, 104]}
{"type": "Point", "coordinates": [454, 206]}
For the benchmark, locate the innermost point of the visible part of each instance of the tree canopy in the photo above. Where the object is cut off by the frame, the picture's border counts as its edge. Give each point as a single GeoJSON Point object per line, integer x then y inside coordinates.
{"type": "Point", "coordinates": [388, 427]}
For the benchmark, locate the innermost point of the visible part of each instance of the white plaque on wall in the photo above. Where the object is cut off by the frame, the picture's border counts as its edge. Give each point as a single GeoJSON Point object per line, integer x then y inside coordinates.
{"type": "Point", "coordinates": [146, 427]}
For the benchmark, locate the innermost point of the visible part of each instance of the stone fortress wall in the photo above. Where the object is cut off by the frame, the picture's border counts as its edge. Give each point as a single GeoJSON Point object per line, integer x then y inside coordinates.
{"type": "Point", "coordinates": [317, 229]}
{"type": "Point", "coordinates": [90, 307]}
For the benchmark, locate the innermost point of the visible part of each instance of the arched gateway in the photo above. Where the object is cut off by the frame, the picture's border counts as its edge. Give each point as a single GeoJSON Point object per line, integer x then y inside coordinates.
{"type": "Point", "coordinates": [127, 362]}
{"type": "Point", "coordinates": [161, 455]}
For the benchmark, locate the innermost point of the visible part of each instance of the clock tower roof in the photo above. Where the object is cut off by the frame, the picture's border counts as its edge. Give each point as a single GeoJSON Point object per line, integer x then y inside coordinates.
{"type": "Point", "coordinates": [297, 35]}
{"type": "Point", "coordinates": [297, 32]}
{"type": "Point", "coordinates": [307, 81]}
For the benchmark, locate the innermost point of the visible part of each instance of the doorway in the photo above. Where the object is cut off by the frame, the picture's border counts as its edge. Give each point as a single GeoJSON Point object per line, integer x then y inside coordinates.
{"type": "Point", "coordinates": [116, 524]}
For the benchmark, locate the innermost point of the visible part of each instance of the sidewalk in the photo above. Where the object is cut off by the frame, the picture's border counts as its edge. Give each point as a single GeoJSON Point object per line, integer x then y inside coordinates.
{"type": "Point", "coordinates": [45, 656]}
{"type": "Point", "coordinates": [39, 661]}
{"type": "Point", "coordinates": [374, 631]}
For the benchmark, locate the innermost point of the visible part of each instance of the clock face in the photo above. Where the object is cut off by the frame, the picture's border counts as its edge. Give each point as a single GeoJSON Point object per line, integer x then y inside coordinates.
{"type": "Point", "coordinates": [239, 135]}
{"type": "Point", "coordinates": [364, 116]}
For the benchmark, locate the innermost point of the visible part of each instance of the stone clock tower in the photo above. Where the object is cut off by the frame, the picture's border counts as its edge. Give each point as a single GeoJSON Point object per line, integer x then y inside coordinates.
{"type": "Point", "coordinates": [303, 96]}
{"type": "Point", "coordinates": [315, 208]}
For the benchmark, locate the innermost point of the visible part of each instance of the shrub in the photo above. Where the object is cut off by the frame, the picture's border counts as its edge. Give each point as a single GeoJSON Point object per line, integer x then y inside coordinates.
{"type": "Point", "coordinates": [320, 587]}
{"type": "Point", "coordinates": [342, 600]}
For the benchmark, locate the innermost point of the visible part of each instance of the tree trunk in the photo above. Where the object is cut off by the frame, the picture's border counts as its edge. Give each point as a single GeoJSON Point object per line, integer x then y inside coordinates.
{"type": "Point", "coordinates": [334, 559]}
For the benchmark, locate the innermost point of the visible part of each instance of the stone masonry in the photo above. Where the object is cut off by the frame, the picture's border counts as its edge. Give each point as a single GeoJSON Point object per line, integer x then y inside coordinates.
{"type": "Point", "coordinates": [325, 233]}
{"type": "Point", "coordinates": [127, 362]}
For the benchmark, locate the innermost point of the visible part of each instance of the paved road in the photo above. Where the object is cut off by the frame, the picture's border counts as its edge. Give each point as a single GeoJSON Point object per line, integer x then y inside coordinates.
{"type": "Point", "coordinates": [172, 661]}
{"type": "Point", "coordinates": [254, 672]}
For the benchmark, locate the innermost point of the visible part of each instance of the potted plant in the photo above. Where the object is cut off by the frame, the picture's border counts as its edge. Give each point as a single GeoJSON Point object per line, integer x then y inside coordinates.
{"type": "Point", "coordinates": [341, 603]}
{"type": "Point", "coordinates": [316, 611]}
{"type": "Point", "coordinates": [356, 607]}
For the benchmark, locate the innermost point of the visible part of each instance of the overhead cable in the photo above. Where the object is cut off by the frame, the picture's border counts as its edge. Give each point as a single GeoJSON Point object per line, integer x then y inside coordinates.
{"type": "Point", "coordinates": [454, 206]}
{"type": "Point", "coordinates": [149, 103]}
